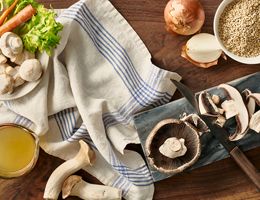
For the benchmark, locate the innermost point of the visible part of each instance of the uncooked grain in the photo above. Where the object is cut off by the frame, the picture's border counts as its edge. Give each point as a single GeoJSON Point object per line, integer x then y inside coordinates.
{"type": "Point", "coordinates": [239, 27]}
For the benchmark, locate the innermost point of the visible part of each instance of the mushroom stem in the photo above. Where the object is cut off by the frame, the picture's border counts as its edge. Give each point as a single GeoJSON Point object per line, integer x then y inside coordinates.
{"type": "Point", "coordinates": [75, 186]}
{"type": "Point", "coordinates": [84, 157]}
{"type": "Point", "coordinates": [173, 147]}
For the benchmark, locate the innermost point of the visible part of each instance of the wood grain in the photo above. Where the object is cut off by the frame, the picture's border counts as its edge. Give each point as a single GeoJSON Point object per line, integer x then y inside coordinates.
{"type": "Point", "coordinates": [220, 180]}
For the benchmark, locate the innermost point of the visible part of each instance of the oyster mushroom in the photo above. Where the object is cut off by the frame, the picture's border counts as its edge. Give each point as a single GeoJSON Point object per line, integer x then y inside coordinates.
{"type": "Point", "coordinates": [242, 118]}
{"type": "Point", "coordinates": [254, 123]}
{"type": "Point", "coordinates": [6, 84]}
{"type": "Point", "coordinates": [31, 70]}
{"type": "Point", "coordinates": [11, 44]}
{"type": "Point", "coordinates": [207, 106]}
{"type": "Point", "coordinates": [75, 186]}
{"type": "Point", "coordinates": [85, 157]}
{"type": "Point", "coordinates": [170, 128]}
{"type": "Point", "coordinates": [173, 147]}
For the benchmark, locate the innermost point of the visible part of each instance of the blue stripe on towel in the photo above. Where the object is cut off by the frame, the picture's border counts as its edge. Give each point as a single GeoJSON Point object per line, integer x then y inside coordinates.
{"type": "Point", "coordinates": [20, 120]}
{"type": "Point", "coordinates": [140, 176]}
{"type": "Point", "coordinates": [81, 15]}
{"type": "Point", "coordinates": [115, 43]}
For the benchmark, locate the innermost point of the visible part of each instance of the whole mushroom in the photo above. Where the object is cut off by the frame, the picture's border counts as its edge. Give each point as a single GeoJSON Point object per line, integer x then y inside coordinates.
{"type": "Point", "coordinates": [20, 58]}
{"type": "Point", "coordinates": [11, 44]}
{"type": "Point", "coordinates": [30, 70]}
{"type": "Point", "coordinates": [6, 84]}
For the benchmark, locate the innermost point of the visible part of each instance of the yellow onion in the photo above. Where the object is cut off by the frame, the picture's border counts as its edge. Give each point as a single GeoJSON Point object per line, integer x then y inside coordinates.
{"type": "Point", "coordinates": [184, 17]}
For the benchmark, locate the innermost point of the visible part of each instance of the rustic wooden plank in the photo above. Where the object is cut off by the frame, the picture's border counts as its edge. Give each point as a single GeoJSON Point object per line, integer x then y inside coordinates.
{"type": "Point", "coordinates": [221, 180]}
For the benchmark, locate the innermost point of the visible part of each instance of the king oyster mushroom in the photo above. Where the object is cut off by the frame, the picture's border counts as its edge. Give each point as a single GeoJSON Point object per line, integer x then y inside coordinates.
{"type": "Point", "coordinates": [165, 133]}
{"type": "Point", "coordinates": [242, 117]}
{"type": "Point", "coordinates": [11, 44]}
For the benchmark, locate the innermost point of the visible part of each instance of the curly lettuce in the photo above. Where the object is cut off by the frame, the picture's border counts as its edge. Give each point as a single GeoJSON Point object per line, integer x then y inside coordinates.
{"type": "Point", "coordinates": [40, 32]}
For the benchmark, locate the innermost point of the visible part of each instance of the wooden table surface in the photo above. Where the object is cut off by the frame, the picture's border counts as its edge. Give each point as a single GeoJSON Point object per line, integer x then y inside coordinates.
{"type": "Point", "coordinates": [220, 180]}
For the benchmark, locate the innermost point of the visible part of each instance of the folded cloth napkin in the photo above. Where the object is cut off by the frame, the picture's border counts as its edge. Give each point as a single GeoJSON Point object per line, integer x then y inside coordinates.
{"type": "Point", "coordinates": [99, 76]}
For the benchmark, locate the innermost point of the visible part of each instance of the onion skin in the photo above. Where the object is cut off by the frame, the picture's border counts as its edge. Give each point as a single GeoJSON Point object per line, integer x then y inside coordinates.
{"type": "Point", "coordinates": [186, 18]}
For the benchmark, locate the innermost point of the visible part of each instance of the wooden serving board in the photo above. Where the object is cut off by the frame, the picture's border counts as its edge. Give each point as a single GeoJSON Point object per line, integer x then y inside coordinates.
{"type": "Point", "coordinates": [212, 150]}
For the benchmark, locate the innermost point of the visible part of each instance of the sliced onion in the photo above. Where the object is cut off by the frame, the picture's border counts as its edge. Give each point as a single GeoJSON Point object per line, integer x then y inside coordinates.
{"type": "Point", "coordinates": [202, 50]}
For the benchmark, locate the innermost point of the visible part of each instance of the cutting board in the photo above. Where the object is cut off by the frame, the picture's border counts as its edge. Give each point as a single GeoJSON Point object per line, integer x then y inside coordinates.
{"type": "Point", "coordinates": [212, 150]}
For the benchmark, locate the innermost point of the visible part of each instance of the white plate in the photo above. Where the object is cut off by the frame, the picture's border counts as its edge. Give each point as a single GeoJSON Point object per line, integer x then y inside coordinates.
{"type": "Point", "coordinates": [28, 86]}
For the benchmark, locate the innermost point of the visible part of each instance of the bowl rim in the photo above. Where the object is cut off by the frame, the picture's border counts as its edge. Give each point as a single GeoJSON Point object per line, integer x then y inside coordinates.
{"type": "Point", "coordinates": [218, 13]}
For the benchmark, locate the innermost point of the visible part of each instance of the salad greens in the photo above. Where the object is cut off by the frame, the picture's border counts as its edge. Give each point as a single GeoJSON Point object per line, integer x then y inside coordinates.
{"type": "Point", "coordinates": [41, 31]}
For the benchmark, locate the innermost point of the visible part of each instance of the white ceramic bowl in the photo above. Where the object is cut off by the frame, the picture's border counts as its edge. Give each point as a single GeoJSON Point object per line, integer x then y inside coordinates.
{"type": "Point", "coordinates": [251, 60]}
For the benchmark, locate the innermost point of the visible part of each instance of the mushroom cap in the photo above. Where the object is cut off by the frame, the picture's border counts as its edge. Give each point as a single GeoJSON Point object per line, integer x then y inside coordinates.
{"type": "Point", "coordinates": [11, 44]}
{"type": "Point", "coordinates": [68, 184]}
{"type": "Point", "coordinates": [172, 128]}
{"type": "Point", "coordinates": [31, 70]}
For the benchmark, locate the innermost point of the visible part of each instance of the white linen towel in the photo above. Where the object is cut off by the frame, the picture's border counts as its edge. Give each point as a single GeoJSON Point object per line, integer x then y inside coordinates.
{"type": "Point", "coordinates": [98, 77]}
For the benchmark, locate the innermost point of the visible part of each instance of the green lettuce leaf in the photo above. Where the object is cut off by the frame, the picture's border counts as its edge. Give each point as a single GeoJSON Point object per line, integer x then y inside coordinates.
{"type": "Point", "coordinates": [40, 32]}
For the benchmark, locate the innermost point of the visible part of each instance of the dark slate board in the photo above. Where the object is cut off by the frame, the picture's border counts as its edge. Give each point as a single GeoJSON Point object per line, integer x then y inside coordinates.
{"type": "Point", "coordinates": [211, 149]}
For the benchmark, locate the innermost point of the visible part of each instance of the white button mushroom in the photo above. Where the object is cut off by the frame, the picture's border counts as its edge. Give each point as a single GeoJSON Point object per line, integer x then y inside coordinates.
{"type": "Point", "coordinates": [6, 84]}
{"type": "Point", "coordinates": [20, 58]}
{"type": "Point", "coordinates": [11, 44]}
{"type": "Point", "coordinates": [31, 70]}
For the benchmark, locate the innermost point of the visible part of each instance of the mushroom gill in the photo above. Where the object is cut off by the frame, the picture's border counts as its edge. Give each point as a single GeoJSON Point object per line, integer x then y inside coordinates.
{"type": "Point", "coordinates": [169, 128]}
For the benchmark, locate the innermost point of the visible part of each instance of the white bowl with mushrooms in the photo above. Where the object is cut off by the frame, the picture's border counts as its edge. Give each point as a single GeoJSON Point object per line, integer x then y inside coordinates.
{"type": "Point", "coordinates": [237, 30]}
{"type": "Point", "coordinates": [20, 71]}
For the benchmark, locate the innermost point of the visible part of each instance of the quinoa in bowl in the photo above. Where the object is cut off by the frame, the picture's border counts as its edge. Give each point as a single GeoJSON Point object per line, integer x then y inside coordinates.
{"type": "Point", "coordinates": [237, 29]}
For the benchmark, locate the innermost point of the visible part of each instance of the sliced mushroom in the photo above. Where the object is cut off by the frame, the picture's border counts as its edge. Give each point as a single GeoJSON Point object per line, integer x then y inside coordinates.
{"type": "Point", "coordinates": [11, 44]}
{"type": "Point", "coordinates": [250, 101]}
{"type": "Point", "coordinates": [31, 70]}
{"type": "Point", "coordinates": [221, 120]}
{"type": "Point", "coordinates": [242, 118]}
{"type": "Point", "coordinates": [230, 108]}
{"type": "Point", "coordinates": [196, 122]}
{"type": "Point", "coordinates": [207, 106]}
{"type": "Point", "coordinates": [254, 123]}
{"type": "Point", "coordinates": [216, 99]}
